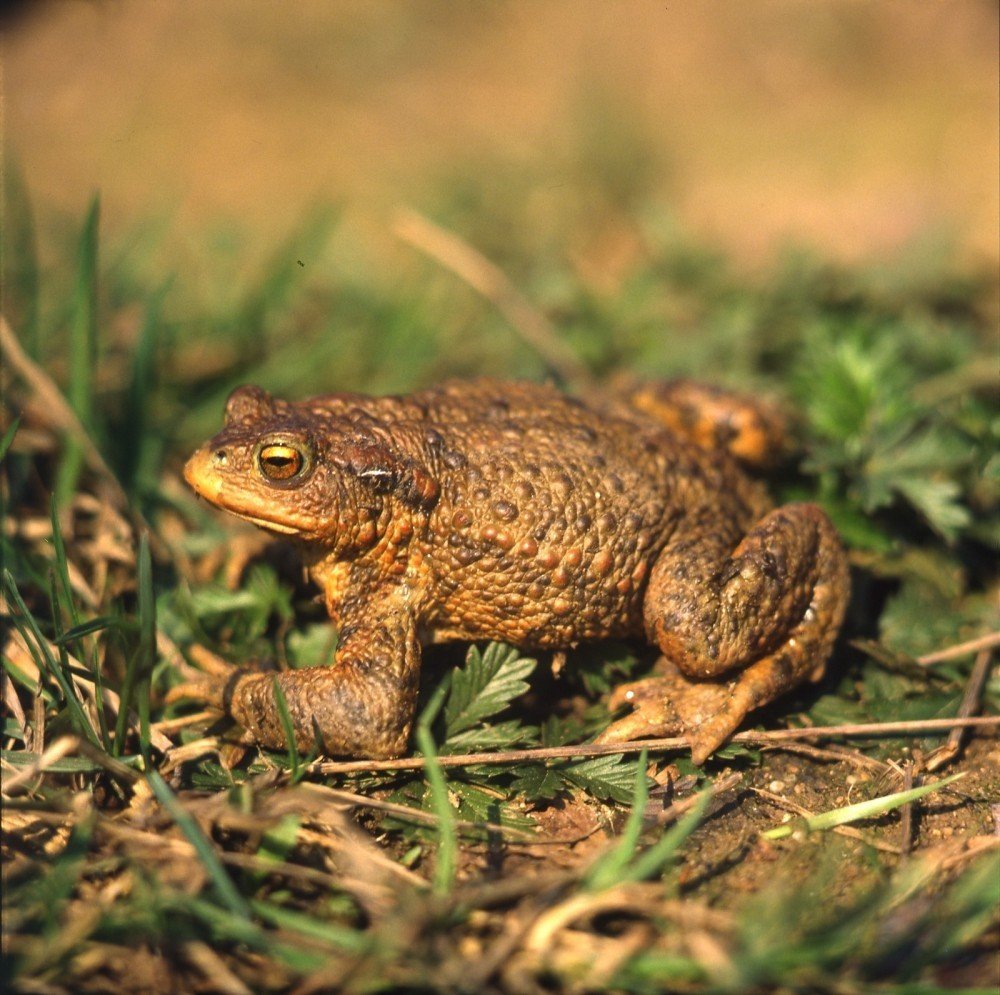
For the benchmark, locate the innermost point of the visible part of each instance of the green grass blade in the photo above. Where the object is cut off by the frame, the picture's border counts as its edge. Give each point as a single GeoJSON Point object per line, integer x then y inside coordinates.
{"type": "Point", "coordinates": [139, 664]}
{"type": "Point", "coordinates": [607, 870]}
{"type": "Point", "coordinates": [62, 565]}
{"type": "Point", "coordinates": [67, 765]}
{"type": "Point", "coordinates": [434, 703]}
{"type": "Point", "coordinates": [63, 639]}
{"type": "Point", "coordinates": [137, 448]}
{"type": "Point", "coordinates": [861, 810]}
{"type": "Point", "coordinates": [221, 926]}
{"type": "Point", "coordinates": [652, 861]}
{"type": "Point", "coordinates": [327, 933]}
{"type": "Point", "coordinates": [82, 353]}
{"type": "Point", "coordinates": [222, 883]}
{"type": "Point", "coordinates": [20, 678]}
{"type": "Point", "coordinates": [288, 727]}
{"type": "Point", "coordinates": [147, 641]}
{"type": "Point", "coordinates": [447, 862]}
{"type": "Point", "coordinates": [65, 666]}
{"type": "Point", "coordinates": [102, 623]}
{"type": "Point", "coordinates": [27, 624]}
{"type": "Point", "coordinates": [8, 436]}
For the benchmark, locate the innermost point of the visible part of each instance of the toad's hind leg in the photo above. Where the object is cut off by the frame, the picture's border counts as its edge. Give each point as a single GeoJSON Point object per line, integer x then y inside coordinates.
{"type": "Point", "coordinates": [767, 613]}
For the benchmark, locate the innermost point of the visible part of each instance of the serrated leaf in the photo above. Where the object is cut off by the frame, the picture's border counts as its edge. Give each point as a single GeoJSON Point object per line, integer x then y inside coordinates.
{"type": "Point", "coordinates": [907, 451]}
{"type": "Point", "coordinates": [313, 646]}
{"type": "Point", "coordinates": [938, 501]}
{"type": "Point", "coordinates": [486, 685]}
{"type": "Point", "coordinates": [610, 778]}
{"type": "Point", "coordinates": [475, 803]}
{"type": "Point", "coordinates": [214, 599]}
{"type": "Point", "coordinates": [495, 736]}
{"type": "Point", "coordinates": [858, 530]}
{"type": "Point", "coordinates": [537, 782]}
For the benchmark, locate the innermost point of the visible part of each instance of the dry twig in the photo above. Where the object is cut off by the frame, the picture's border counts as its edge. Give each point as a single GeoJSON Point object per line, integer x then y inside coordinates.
{"type": "Point", "coordinates": [870, 730]}
{"type": "Point", "coordinates": [489, 280]}
{"type": "Point", "coordinates": [971, 700]}
{"type": "Point", "coordinates": [988, 642]}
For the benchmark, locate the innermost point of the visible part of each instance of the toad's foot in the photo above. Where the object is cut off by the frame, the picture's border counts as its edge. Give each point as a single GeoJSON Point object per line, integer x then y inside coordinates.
{"type": "Point", "coordinates": [707, 713]}
{"type": "Point", "coordinates": [670, 705]}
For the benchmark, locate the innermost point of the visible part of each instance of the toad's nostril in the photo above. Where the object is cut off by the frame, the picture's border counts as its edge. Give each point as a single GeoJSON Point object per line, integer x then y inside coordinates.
{"type": "Point", "coordinates": [219, 457]}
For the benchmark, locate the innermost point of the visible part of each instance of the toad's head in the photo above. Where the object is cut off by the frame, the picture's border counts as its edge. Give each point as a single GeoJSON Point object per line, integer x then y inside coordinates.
{"type": "Point", "coordinates": [313, 470]}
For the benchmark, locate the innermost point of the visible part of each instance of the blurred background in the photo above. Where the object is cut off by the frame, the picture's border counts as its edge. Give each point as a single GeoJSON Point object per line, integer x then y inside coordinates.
{"type": "Point", "coordinates": [851, 126]}
{"type": "Point", "coordinates": [620, 162]}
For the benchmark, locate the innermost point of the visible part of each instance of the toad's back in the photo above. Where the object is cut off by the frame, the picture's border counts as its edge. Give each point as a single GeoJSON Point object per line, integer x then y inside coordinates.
{"type": "Point", "coordinates": [550, 513]}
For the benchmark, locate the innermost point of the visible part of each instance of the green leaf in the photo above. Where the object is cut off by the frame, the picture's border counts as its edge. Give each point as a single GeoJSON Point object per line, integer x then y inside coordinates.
{"type": "Point", "coordinates": [938, 501]}
{"type": "Point", "coordinates": [477, 803]}
{"type": "Point", "coordinates": [920, 618]}
{"type": "Point", "coordinates": [653, 860]}
{"type": "Point", "coordinates": [536, 782]}
{"type": "Point", "coordinates": [557, 731]}
{"type": "Point", "coordinates": [67, 765]}
{"type": "Point", "coordinates": [47, 664]}
{"type": "Point", "coordinates": [599, 667]}
{"type": "Point", "coordinates": [607, 869]}
{"type": "Point", "coordinates": [486, 685]}
{"type": "Point", "coordinates": [287, 727]}
{"type": "Point", "coordinates": [610, 778]}
{"type": "Point", "coordinates": [278, 843]}
{"type": "Point", "coordinates": [327, 933]}
{"type": "Point", "coordinates": [498, 735]}
{"type": "Point", "coordinates": [139, 665]}
{"type": "Point", "coordinates": [313, 646]}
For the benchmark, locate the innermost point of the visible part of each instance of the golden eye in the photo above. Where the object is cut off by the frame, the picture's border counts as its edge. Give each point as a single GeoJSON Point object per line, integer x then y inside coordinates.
{"type": "Point", "coordinates": [280, 462]}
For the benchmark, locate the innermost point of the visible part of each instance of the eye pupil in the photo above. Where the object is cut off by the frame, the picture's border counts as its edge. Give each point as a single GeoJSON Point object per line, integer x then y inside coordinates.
{"type": "Point", "coordinates": [280, 462]}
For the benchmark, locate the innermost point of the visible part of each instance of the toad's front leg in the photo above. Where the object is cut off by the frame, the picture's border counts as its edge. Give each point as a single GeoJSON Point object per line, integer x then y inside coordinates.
{"type": "Point", "coordinates": [360, 706]}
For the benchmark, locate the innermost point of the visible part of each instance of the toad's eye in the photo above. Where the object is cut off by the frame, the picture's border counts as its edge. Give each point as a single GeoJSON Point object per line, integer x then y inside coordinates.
{"type": "Point", "coordinates": [280, 462]}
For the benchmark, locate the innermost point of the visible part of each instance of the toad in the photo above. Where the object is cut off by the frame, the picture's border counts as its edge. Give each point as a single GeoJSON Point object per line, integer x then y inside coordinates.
{"type": "Point", "coordinates": [509, 511]}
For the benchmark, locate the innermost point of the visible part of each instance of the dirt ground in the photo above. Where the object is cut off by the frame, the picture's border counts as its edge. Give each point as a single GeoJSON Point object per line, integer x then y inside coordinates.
{"type": "Point", "coordinates": [850, 127]}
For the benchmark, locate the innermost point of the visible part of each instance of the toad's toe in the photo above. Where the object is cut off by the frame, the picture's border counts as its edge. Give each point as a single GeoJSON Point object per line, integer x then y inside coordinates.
{"type": "Point", "coordinates": [702, 711]}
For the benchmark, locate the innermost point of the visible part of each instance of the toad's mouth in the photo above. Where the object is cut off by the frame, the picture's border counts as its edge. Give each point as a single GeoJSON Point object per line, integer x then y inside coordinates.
{"type": "Point", "coordinates": [263, 523]}
{"type": "Point", "coordinates": [208, 485]}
